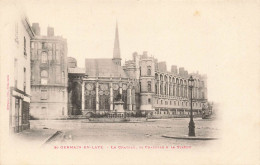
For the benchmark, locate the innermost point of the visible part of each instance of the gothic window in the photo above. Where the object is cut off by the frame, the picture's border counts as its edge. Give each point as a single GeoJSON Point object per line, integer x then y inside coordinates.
{"type": "Point", "coordinates": [44, 57]}
{"type": "Point", "coordinates": [149, 86]}
{"type": "Point", "coordinates": [156, 88]}
{"type": "Point", "coordinates": [104, 102]}
{"type": "Point", "coordinates": [124, 98]}
{"type": "Point", "coordinates": [149, 70]}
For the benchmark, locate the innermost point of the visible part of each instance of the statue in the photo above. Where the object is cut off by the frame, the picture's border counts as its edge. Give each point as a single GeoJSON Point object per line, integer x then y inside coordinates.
{"type": "Point", "coordinates": [118, 97]}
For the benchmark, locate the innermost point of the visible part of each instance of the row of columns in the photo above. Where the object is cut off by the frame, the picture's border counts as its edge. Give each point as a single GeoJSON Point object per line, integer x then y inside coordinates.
{"type": "Point", "coordinates": [184, 89]}
{"type": "Point", "coordinates": [129, 91]}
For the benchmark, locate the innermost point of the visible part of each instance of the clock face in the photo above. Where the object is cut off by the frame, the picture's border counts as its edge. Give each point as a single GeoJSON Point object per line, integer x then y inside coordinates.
{"type": "Point", "coordinates": [115, 86]}
{"type": "Point", "coordinates": [89, 87]}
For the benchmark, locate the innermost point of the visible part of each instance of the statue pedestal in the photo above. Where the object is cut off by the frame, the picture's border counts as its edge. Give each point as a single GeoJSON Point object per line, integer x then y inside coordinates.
{"type": "Point", "coordinates": [119, 106]}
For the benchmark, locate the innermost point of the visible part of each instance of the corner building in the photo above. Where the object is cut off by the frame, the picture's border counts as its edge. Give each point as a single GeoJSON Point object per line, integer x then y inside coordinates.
{"type": "Point", "coordinates": [16, 54]}
{"type": "Point", "coordinates": [49, 75]}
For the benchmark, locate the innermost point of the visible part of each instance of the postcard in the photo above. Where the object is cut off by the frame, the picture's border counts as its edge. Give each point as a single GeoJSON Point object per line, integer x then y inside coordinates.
{"type": "Point", "coordinates": [130, 82]}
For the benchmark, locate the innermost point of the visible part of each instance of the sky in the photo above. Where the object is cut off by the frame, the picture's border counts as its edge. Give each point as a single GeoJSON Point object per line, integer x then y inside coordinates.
{"type": "Point", "coordinates": [218, 38]}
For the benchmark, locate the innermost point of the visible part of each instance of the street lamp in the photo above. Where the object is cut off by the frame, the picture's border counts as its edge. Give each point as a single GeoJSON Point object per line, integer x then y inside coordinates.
{"type": "Point", "coordinates": [191, 124]}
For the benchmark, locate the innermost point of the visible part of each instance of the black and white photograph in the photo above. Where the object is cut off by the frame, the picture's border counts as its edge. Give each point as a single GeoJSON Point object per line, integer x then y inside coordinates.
{"type": "Point", "coordinates": [130, 82]}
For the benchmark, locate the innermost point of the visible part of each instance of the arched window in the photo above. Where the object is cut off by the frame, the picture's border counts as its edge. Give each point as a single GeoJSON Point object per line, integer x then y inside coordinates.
{"type": "Point", "coordinates": [149, 86]}
{"type": "Point", "coordinates": [161, 89]}
{"type": "Point", "coordinates": [156, 89]}
{"type": "Point", "coordinates": [44, 57]}
{"type": "Point", "coordinates": [149, 101]}
{"type": "Point", "coordinates": [165, 89]}
{"type": "Point", "coordinates": [149, 72]}
{"type": "Point", "coordinates": [44, 73]}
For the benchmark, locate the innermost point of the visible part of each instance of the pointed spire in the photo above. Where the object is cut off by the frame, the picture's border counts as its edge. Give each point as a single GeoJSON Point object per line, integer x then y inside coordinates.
{"type": "Point", "coordinates": [116, 53]}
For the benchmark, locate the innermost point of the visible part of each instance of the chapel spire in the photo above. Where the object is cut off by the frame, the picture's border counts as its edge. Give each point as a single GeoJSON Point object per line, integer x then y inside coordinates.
{"type": "Point", "coordinates": [116, 53]}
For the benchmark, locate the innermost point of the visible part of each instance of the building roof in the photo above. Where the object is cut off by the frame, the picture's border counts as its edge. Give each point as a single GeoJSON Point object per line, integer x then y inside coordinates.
{"type": "Point", "coordinates": [103, 68]}
{"type": "Point", "coordinates": [76, 70]}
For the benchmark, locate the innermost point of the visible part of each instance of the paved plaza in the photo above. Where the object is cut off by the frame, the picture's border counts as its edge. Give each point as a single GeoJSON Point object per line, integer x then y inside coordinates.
{"type": "Point", "coordinates": [134, 133]}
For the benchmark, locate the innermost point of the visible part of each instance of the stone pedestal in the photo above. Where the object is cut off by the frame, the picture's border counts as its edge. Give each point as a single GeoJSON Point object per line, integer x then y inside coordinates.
{"type": "Point", "coordinates": [119, 106]}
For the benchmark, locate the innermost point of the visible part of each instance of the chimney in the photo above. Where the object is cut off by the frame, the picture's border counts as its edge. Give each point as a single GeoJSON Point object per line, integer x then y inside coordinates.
{"type": "Point", "coordinates": [50, 32]}
{"type": "Point", "coordinates": [144, 54]}
{"type": "Point", "coordinates": [186, 73]}
{"type": "Point", "coordinates": [174, 69]}
{"type": "Point", "coordinates": [36, 29]}
{"type": "Point", "coordinates": [181, 71]}
{"type": "Point", "coordinates": [162, 66]}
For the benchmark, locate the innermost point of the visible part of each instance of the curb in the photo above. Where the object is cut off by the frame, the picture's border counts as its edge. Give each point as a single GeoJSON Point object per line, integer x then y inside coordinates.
{"type": "Point", "coordinates": [190, 138]}
{"type": "Point", "coordinates": [52, 137]}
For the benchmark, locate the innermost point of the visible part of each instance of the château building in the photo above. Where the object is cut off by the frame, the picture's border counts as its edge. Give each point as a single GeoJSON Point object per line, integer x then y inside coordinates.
{"type": "Point", "coordinates": [144, 83]}
{"type": "Point", "coordinates": [60, 88]}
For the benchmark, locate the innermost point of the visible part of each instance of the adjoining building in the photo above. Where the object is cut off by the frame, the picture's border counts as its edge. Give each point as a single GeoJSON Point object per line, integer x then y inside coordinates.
{"type": "Point", "coordinates": [16, 54]}
{"type": "Point", "coordinates": [49, 75]}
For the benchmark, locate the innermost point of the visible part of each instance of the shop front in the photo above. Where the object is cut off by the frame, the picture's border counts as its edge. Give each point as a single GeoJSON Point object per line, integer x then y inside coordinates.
{"type": "Point", "coordinates": [19, 114]}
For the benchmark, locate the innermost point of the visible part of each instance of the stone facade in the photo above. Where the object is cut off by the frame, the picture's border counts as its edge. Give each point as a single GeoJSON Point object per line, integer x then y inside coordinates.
{"type": "Point", "coordinates": [49, 75]}
{"type": "Point", "coordinates": [95, 88]}
{"type": "Point", "coordinates": [60, 88]}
